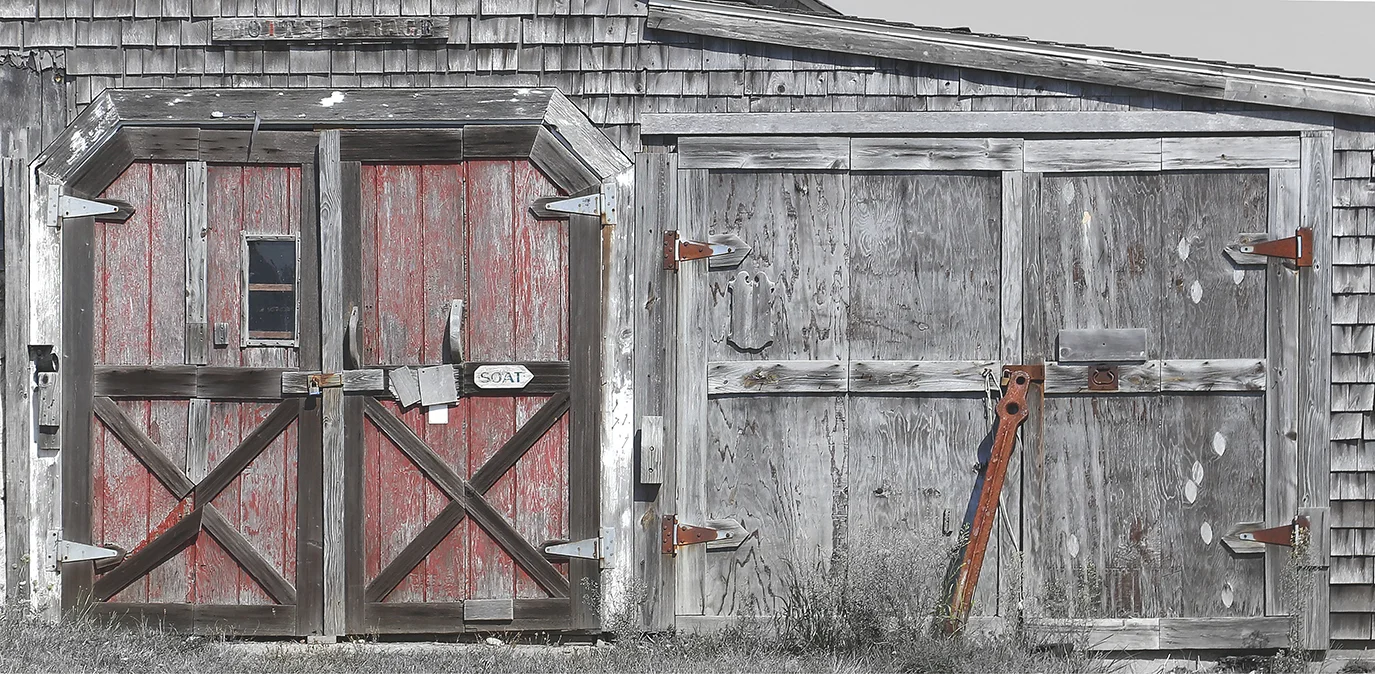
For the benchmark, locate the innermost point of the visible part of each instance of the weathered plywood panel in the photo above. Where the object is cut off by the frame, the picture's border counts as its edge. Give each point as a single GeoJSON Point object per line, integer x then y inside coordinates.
{"type": "Point", "coordinates": [1094, 498]}
{"type": "Point", "coordinates": [777, 464]}
{"type": "Point", "coordinates": [924, 277]}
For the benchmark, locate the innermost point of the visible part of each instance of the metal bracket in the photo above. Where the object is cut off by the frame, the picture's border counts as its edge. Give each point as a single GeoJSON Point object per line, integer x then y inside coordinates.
{"type": "Point", "coordinates": [322, 380]}
{"type": "Point", "coordinates": [68, 552]}
{"type": "Point", "coordinates": [1297, 248]}
{"type": "Point", "coordinates": [603, 203]}
{"type": "Point", "coordinates": [1253, 540]}
{"type": "Point", "coordinates": [681, 250]}
{"type": "Point", "coordinates": [75, 207]}
{"type": "Point", "coordinates": [587, 548]}
{"type": "Point", "coordinates": [674, 535]}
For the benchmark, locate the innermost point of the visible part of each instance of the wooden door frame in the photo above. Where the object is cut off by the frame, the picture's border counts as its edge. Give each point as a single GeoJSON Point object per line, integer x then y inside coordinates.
{"type": "Point", "coordinates": [784, 143]}
{"type": "Point", "coordinates": [276, 126]}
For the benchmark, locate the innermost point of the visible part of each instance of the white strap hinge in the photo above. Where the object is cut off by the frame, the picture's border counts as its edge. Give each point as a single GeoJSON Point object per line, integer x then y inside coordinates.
{"type": "Point", "coordinates": [598, 548]}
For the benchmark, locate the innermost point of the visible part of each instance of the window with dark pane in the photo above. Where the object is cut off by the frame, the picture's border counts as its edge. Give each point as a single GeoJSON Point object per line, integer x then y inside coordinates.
{"type": "Point", "coordinates": [270, 309]}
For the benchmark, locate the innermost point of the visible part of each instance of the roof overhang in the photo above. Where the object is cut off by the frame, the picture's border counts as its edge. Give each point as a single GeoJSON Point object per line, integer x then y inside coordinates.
{"type": "Point", "coordinates": [103, 133]}
{"type": "Point", "coordinates": [1023, 57]}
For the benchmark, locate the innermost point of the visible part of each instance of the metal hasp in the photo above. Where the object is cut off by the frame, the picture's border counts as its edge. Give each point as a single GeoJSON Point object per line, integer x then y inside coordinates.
{"type": "Point", "coordinates": [322, 380]}
{"type": "Point", "coordinates": [1298, 248]}
{"type": "Point", "coordinates": [995, 452]}
{"type": "Point", "coordinates": [587, 548]}
{"type": "Point", "coordinates": [602, 203]}
{"type": "Point", "coordinates": [674, 535]}
{"type": "Point", "coordinates": [681, 250]}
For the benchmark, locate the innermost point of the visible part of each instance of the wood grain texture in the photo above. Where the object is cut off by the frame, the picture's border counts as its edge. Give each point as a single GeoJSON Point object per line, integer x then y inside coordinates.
{"type": "Point", "coordinates": [755, 377]}
{"type": "Point", "coordinates": [1152, 122]}
{"type": "Point", "coordinates": [16, 389]}
{"type": "Point", "coordinates": [936, 154]}
{"type": "Point", "coordinates": [764, 152]}
{"type": "Point", "coordinates": [1282, 406]}
{"type": "Point", "coordinates": [690, 376]}
{"type": "Point", "coordinates": [1089, 346]}
{"type": "Point", "coordinates": [921, 376]}
{"type": "Point", "coordinates": [329, 185]}
{"type": "Point", "coordinates": [1118, 154]}
{"type": "Point", "coordinates": [1229, 153]}
{"type": "Point", "coordinates": [196, 247]}
{"type": "Point", "coordinates": [1315, 346]}
{"type": "Point", "coordinates": [776, 464]}
{"type": "Point", "coordinates": [1093, 499]}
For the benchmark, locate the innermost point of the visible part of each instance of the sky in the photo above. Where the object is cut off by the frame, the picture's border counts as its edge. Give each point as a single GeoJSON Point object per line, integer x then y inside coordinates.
{"type": "Point", "coordinates": [1326, 37]}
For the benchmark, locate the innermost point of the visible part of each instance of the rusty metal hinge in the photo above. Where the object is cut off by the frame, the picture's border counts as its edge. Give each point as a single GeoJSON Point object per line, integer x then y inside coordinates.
{"type": "Point", "coordinates": [677, 250]}
{"type": "Point", "coordinates": [674, 535]}
{"type": "Point", "coordinates": [1298, 248]}
{"type": "Point", "coordinates": [1249, 540]}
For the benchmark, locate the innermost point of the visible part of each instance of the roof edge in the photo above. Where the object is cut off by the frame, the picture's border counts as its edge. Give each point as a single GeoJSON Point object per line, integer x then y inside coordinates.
{"type": "Point", "coordinates": [1023, 57]}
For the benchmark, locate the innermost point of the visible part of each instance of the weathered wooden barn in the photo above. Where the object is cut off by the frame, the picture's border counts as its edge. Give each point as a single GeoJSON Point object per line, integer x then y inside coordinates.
{"type": "Point", "coordinates": [336, 366]}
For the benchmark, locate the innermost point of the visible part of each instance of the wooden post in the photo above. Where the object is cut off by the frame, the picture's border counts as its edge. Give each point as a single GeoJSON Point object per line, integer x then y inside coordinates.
{"type": "Point", "coordinates": [45, 329]}
{"type": "Point", "coordinates": [1315, 355]}
{"type": "Point", "coordinates": [618, 419]}
{"type": "Point", "coordinates": [584, 436]}
{"type": "Point", "coordinates": [332, 360]}
{"type": "Point", "coordinates": [1282, 407]}
{"type": "Point", "coordinates": [690, 424]}
{"type": "Point", "coordinates": [17, 378]}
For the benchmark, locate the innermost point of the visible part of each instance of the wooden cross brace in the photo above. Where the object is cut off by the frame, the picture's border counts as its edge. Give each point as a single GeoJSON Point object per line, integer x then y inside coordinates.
{"type": "Point", "coordinates": [179, 530]}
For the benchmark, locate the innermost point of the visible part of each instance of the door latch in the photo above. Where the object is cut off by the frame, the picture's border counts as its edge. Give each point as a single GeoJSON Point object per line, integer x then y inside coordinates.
{"type": "Point", "coordinates": [675, 535]}
{"type": "Point", "coordinates": [1102, 378]}
{"type": "Point", "coordinates": [323, 380]}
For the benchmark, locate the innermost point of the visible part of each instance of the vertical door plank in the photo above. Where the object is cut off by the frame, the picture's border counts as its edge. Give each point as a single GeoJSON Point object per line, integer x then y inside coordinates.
{"type": "Point", "coordinates": [1031, 453]}
{"type": "Point", "coordinates": [371, 319]}
{"type": "Point", "coordinates": [270, 207]}
{"type": "Point", "coordinates": [924, 285]}
{"type": "Point", "coordinates": [785, 468]}
{"type": "Point", "coordinates": [1098, 512]}
{"type": "Point", "coordinates": [489, 336]}
{"type": "Point", "coordinates": [656, 194]}
{"type": "Point", "coordinates": [352, 246]}
{"type": "Point", "coordinates": [586, 271]}
{"type": "Point", "coordinates": [1213, 445]}
{"type": "Point", "coordinates": [125, 482]}
{"type": "Point", "coordinates": [1009, 531]}
{"type": "Point", "coordinates": [401, 324]}
{"type": "Point", "coordinates": [332, 359]}
{"type": "Point", "coordinates": [217, 576]}
{"type": "Point", "coordinates": [1282, 396]}
{"type": "Point", "coordinates": [691, 435]}
{"type": "Point", "coordinates": [541, 333]}
{"type": "Point", "coordinates": [1315, 353]}
{"type": "Point", "coordinates": [446, 274]}
{"type": "Point", "coordinates": [198, 331]}
{"type": "Point", "coordinates": [167, 334]}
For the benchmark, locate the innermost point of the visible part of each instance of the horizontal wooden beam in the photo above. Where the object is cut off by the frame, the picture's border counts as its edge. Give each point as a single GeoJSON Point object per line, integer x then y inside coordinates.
{"type": "Point", "coordinates": [1153, 634]}
{"type": "Point", "coordinates": [180, 382]}
{"type": "Point", "coordinates": [1024, 57]}
{"type": "Point", "coordinates": [764, 152]}
{"type": "Point", "coordinates": [529, 615]}
{"type": "Point", "coordinates": [990, 153]}
{"type": "Point", "coordinates": [921, 377]}
{"type": "Point", "coordinates": [1144, 122]}
{"type": "Point", "coordinates": [229, 619]}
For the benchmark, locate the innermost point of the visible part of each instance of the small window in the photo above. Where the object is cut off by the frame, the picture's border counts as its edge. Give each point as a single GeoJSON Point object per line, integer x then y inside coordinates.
{"type": "Point", "coordinates": [269, 306]}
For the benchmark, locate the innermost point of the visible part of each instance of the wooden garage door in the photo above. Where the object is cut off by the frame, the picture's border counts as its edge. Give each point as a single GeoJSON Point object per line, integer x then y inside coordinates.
{"type": "Point", "coordinates": [1128, 495]}
{"type": "Point", "coordinates": [451, 503]}
{"type": "Point", "coordinates": [831, 390]}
